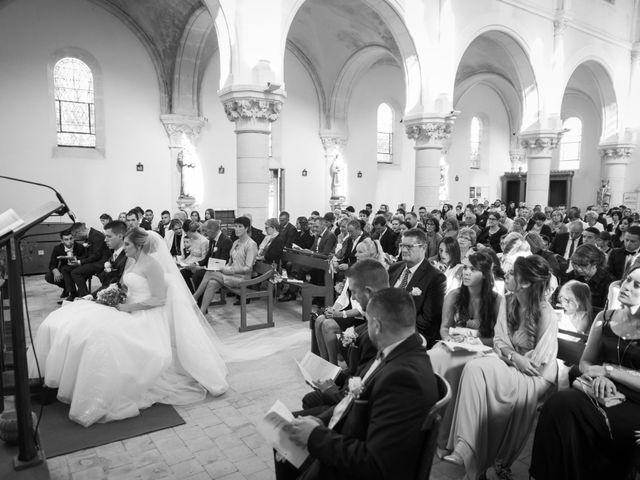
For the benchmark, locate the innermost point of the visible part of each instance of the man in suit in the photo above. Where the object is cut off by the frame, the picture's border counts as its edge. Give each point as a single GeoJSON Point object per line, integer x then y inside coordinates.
{"type": "Point", "coordinates": [163, 224]}
{"type": "Point", "coordinates": [379, 435]}
{"type": "Point", "coordinates": [356, 235]}
{"type": "Point", "coordinates": [564, 244]}
{"type": "Point", "coordinates": [287, 231]}
{"type": "Point", "coordinates": [219, 247]}
{"type": "Point", "coordinates": [76, 273]}
{"type": "Point", "coordinates": [620, 258]}
{"type": "Point", "coordinates": [325, 241]}
{"type": "Point", "coordinates": [114, 233]}
{"type": "Point", "coordinates": [67, 248]}
{"type": "Point", "coordinates": [426, 284]}
{"type": "Point", "coordinates": [147, 220]}
{"type": "Point", "coordinates": [384, 234]}
{"type": "Point", "coordinates": [133, 219]}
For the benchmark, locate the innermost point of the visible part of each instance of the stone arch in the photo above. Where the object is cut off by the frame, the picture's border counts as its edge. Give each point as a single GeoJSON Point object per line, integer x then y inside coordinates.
{"type": "Point", "coordinates": [516, 70]}
{"type": "Point", "coordinates": [391, 13]}
{"type": "Point", "coordinates": [224, 35]}
{"type": "Point", "coordinates": [351, 72]}
{"type": "Point", "coordinates": [194, 53]}
{"type": "Point", "coordinates": [606, 104]}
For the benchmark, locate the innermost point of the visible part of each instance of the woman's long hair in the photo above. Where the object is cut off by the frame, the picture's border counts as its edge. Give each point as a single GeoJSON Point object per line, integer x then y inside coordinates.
{"type": "Point", "coordinates": [452, 248]}
{"type": "Point", "coordinates": [481, 261]}
{"type": "Point", "coordinates": [534, 270]}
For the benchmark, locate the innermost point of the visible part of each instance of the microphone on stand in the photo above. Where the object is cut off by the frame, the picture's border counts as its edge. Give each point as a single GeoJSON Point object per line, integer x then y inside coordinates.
{"type": "Point", "coordinates": [58, 195]}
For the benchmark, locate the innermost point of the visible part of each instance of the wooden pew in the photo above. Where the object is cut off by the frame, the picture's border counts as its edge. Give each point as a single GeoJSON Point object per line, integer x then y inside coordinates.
{"type": "Point", "coordinates": [568, 351]}
{"type": "Point", "coordinates": [264, 273]}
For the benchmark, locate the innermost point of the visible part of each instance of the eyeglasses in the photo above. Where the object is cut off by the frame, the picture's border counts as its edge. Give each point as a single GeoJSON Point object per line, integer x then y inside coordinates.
{"type": "Point", "coordinates": [408, 246]}
{"type": "Point", "coordinates": [562, 299]}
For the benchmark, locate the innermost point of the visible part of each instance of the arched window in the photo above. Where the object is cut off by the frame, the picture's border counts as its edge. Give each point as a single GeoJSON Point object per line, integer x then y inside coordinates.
{"type": "Point", "coordinates": [385, 134]}
{"type": "Point", "coordinates": [74, 103]}
{"type": "Point", "coordinates": [475, 139]}
{"type": "Point", "coordinates": [570, 145]}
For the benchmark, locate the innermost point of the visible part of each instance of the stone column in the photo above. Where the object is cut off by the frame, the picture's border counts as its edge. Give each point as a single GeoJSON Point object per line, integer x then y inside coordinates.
{"type": "Point", "coordinates": [183, 131]}
{"type": "Point", "coordinates": [252, 112]}
{"type": "Point", "coordinates": [615, 158]}
{"type": "Point", "coordinates": [539, 148]}
{"type": "Point", "coordinates": [333, 144]}
{"type": "Point", "coordinates": [430, 135]}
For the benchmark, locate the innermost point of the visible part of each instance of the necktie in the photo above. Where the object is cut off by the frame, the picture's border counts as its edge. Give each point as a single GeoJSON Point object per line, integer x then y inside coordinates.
{"type": "Point", "coordinates": [213, 247]}
{"type": "Point", "coordinates": [571, 247]}
{"type": "Point", "coordinates": [114, 256]}
{"type": "Point", "coordinates": [405, 279]}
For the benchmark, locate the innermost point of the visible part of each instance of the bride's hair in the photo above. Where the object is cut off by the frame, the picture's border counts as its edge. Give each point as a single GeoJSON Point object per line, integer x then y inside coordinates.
{"type": "Point", "coordinates": [139, 237]}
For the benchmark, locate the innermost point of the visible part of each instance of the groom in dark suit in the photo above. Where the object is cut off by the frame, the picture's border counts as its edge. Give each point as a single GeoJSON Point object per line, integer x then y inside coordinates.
{"type": "Point", "coordinates": [376, 432]}
{"type": "Point", "coordinates": [114, 233]}
{"type": "Point", "coordinates": [425, 283]}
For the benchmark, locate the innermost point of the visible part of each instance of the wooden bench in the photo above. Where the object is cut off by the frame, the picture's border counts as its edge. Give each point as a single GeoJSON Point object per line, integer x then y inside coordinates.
{"type": "Point", "coordinates": [262, 279]}
{"type": "Point", "coordinates": [310, 261]}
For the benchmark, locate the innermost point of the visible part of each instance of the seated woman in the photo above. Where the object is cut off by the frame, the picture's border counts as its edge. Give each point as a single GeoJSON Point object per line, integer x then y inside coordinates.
{"type": "Point", "coordinates": [448, 262]}
{"type": "Point", "coordinates": [475, 305]}
{"type": "Point", "coordinates": [557, 224]}
{"type": "Point", "coordinates": [539, 225]}
{"type": "Point", "coordinates": [466, 239]}
{"type": "Point", "coordinates": [575, 300]}
{"type": "Point", "coordinates": [242, 257]}
{"type": "Point", "coordinates": [198, 245]}
{"type": "Point", "coordinates": [450, 227]}
{"type": "Point", "coordinates": [538, 247]}
{"type": "Point", "coordinates": [433, 237]}
{"type": "Point", "coordinates": [588, 267]}
{"type": "Point", "coordinates": [498, 394]}
{"type": "Point", "coordinates": [346, 311]}
{"type": "Point", "coordinates": [490, 235]}
{"type": "Point", "coordinates": [304, 239]}
{"type": "Point", "coordinates": [108, 363]}
{"type": "Point", "coordinates": [270, 249]}
{"type": "Point", "coordinates": [578, 437]}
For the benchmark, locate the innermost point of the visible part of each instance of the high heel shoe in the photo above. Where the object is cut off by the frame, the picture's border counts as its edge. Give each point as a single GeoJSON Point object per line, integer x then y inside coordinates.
{"type": "Point", "coordinates": [454, 457]}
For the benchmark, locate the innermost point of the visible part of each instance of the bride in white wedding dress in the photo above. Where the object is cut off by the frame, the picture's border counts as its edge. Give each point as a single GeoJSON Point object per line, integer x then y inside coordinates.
{"type": "Point", "coordinates": [109, 363]}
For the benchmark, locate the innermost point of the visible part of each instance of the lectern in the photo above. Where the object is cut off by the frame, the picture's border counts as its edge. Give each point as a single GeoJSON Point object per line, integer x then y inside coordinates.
{"type": "Point", "coordinates": [29, 453]}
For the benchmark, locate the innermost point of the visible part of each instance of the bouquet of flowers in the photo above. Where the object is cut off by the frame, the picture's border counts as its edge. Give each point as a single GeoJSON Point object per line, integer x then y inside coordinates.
{"type": "Point", "coordinates": [348, 337]}
{"type": "Point", "coordinates": [111, 296]}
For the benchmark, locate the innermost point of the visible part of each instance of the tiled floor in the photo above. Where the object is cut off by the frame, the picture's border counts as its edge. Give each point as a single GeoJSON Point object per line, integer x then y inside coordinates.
{"type": "Point", "coordinates": [219, 439]}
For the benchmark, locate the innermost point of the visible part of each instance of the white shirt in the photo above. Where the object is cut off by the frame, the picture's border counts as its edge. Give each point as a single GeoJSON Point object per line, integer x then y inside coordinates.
{"type": "Point", "coordinates": [117, 253]}
{"type": "Point", "coordinates": [412, 270]}
{"type": "Point", "coordinates": [568, 248]}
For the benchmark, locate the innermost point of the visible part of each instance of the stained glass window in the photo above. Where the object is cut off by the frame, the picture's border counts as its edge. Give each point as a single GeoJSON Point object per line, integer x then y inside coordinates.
{"type": "Point", "coordinates": [570, 145]}
{"type": "Point", "coordinates": [385, 134]}
{"type": "Point", "coordinates": [476, 140]}
{"type": "Point", "coordinates": [75, 103]}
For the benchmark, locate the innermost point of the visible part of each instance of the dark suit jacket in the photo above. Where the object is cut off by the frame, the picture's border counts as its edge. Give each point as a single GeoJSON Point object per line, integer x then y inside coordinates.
{"type": "Point", "coordinates": [273, 252]}
{"type": "Point", "coordinates": [349, 249]}
{"type": "Point", "coordinates": [388, 242]}
{"type": "Point", "coordinates": [379, 436]}
{"type": "Point", "coordinates": [325, 244]}
{"type": "Point", "coordinates": [58, 251]}
{"type": "Point", "coordinates": [222, 249]}
{"type": "Point", "coordinates": [304, 239]}
{"type": "Point", "coordinates": [97, 251]}
{"type": "Point", "coordinates": [289, 234]}
{"type": "Point", "coordinates": [615, 263]}
{"type": "Point", "coordinates": [117, 269]}
{"type": "Point", "coordinates": [432, 284]}
{"type": "Point", "coordinates": [559, 244]}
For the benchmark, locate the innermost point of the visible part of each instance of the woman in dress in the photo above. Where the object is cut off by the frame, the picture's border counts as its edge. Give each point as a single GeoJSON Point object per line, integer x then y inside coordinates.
{"type": "Point", "coordinates": [490, 235]}
{"type": "Point", "coordinates": [304, 239]}
{"type": "Point", "coordinates": [475, 306]}
{"type": "Point", "coordinates": [450, 227]}
{"type": "Point", "coordinates": [108, 363]}
{"type": "Point", "coordinates": [239, 267]}
{"type": "Point", "coordinates": [557, 225]}
{"type": "Point", "coordinates": [209, 214]}
{"type": "Point", "coordinates": [588, 267]}
{"type": "Point", "coordinates": [575, 301]}
{"type": "Point", "coordinates": [538, 247]}
{"type": "Point", "coordinates": [270, 249]}
{"type": "Point", "coordinates": [539, 226]}
{"type": "Point", "coordinates": [198, 245]}
{"type": "Point", "coordinates": [466, 239]}
{"type": "Point", "coordinates": [448, 262]}
{"type": "Point", "coordinates": [346, 311]}
{"type": "Point", "coordinates": [195, 216]}
{"type": "Point", "coordinates": [498, 394]}
{"type": "Point", "coordinates": [618, 233]}
{"type": "Point", "coordinates": [433, 237]}
{"type": "Point", "coordinates": [578, 438]}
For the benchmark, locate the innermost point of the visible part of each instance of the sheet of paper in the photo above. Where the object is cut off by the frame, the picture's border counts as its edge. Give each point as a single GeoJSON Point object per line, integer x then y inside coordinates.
{"type": "Point", "coordinates": [315, 369]}
{"type": "Point", "coordinates": [271, 427]}
{"type": "Point", "coordinates": [215, 264]}
{"type": "Point", "coordinates": [469, 347]}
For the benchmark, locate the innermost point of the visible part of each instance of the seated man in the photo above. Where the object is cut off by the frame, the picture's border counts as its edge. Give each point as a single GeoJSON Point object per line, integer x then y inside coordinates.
{"type": "Point", "coordinates": [77, 272]}
{"type": "Point", "coordinates": [380, 436]}
{"type": "Point", "coordinates": [67, 248]}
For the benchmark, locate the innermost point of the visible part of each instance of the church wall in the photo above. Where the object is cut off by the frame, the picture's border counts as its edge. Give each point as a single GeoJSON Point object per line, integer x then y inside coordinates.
{"type": "Point", "coordinates": [586, 179]}
{"type": "Point", "coordinates": [484, 102]}
{"type": "Point", "coordinates": [216, 146]}
{"type": "Point", "coordinates": [30, 32]}
{"type": "Point", "coordinates": [380, 183]}
{"type": "Point", "coordinates": [297, 145]}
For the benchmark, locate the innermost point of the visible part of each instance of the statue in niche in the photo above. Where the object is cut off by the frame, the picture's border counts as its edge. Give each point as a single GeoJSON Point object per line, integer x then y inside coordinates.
{"type": "Point", "coordinates": [338, 178]}
{"type": "Point", "coordinates": [603, 195]}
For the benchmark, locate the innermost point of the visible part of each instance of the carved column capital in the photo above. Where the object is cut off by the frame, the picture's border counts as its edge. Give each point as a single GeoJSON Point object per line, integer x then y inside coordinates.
{"type": "Point", "coordinates": [540, 143]}
{"type": "Point", "coordinates": [518, 160]}
{"type": "Point", "coordinates": [332, 143]}
{"type": "Point", "coordinates": [616, 153]}
{"type": "Point", "coordinates": [178, 126]}
{"type": "Point", "coordinates": [251, 110]}
{"type": "Point", "coordinates": [429, 132]}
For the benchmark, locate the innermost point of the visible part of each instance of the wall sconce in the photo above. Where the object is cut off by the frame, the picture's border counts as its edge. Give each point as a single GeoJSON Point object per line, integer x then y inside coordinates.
{"type": "Point", "coordinates": [359, 174]}
{"type": "Point", "coordinates": [304, 172]}
{"type": "Point", "coordinates": [221, 170]}
{"type": "Point", "coordinates": [139, 167]}
{"type": "Point", "coordinates": [457, 178]}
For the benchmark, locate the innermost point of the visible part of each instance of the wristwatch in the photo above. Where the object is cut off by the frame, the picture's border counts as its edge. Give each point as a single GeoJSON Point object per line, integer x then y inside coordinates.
{"type": "Point", "coordinates": [607, 371]}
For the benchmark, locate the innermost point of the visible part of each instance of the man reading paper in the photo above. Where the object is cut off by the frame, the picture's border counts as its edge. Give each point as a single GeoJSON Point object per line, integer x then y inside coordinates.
{"type": "Point", "coordinates": [374, 433]}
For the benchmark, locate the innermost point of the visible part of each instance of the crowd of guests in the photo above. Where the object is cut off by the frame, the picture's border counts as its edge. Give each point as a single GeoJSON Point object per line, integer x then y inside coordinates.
{"type": "Point", "coordinates": [505, 277]}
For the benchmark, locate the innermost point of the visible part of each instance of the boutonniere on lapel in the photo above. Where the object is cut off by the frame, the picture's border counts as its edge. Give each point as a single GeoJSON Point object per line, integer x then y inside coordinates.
{"type": "Point", "coordinates": [415, 292]}
{"type": "Point", "coordinates": [215, 249]}
{"type": "Point", "coordinates": [85, 244]}
{"type": "Point", "coordinates": [348, 337]}
{"type": "Point", "coordinates": [107, 267]}
{"type": "Point", "coordinates": [356, 387]}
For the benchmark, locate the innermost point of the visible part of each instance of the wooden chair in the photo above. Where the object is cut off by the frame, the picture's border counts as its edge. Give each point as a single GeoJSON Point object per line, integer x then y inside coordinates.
{"type": "Point", "coordinates": [431, 426]}
{"type": "Point", "coordinates": [245, 290]}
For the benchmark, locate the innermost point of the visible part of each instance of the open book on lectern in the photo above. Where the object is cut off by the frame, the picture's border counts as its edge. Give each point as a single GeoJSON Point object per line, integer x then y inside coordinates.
{"type": "Point", "coordinates": [9, 221]}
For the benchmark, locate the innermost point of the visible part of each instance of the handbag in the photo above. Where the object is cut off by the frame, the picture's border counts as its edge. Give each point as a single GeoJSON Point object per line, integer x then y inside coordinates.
{"type": "Point", "coordinates": [585, 385]}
